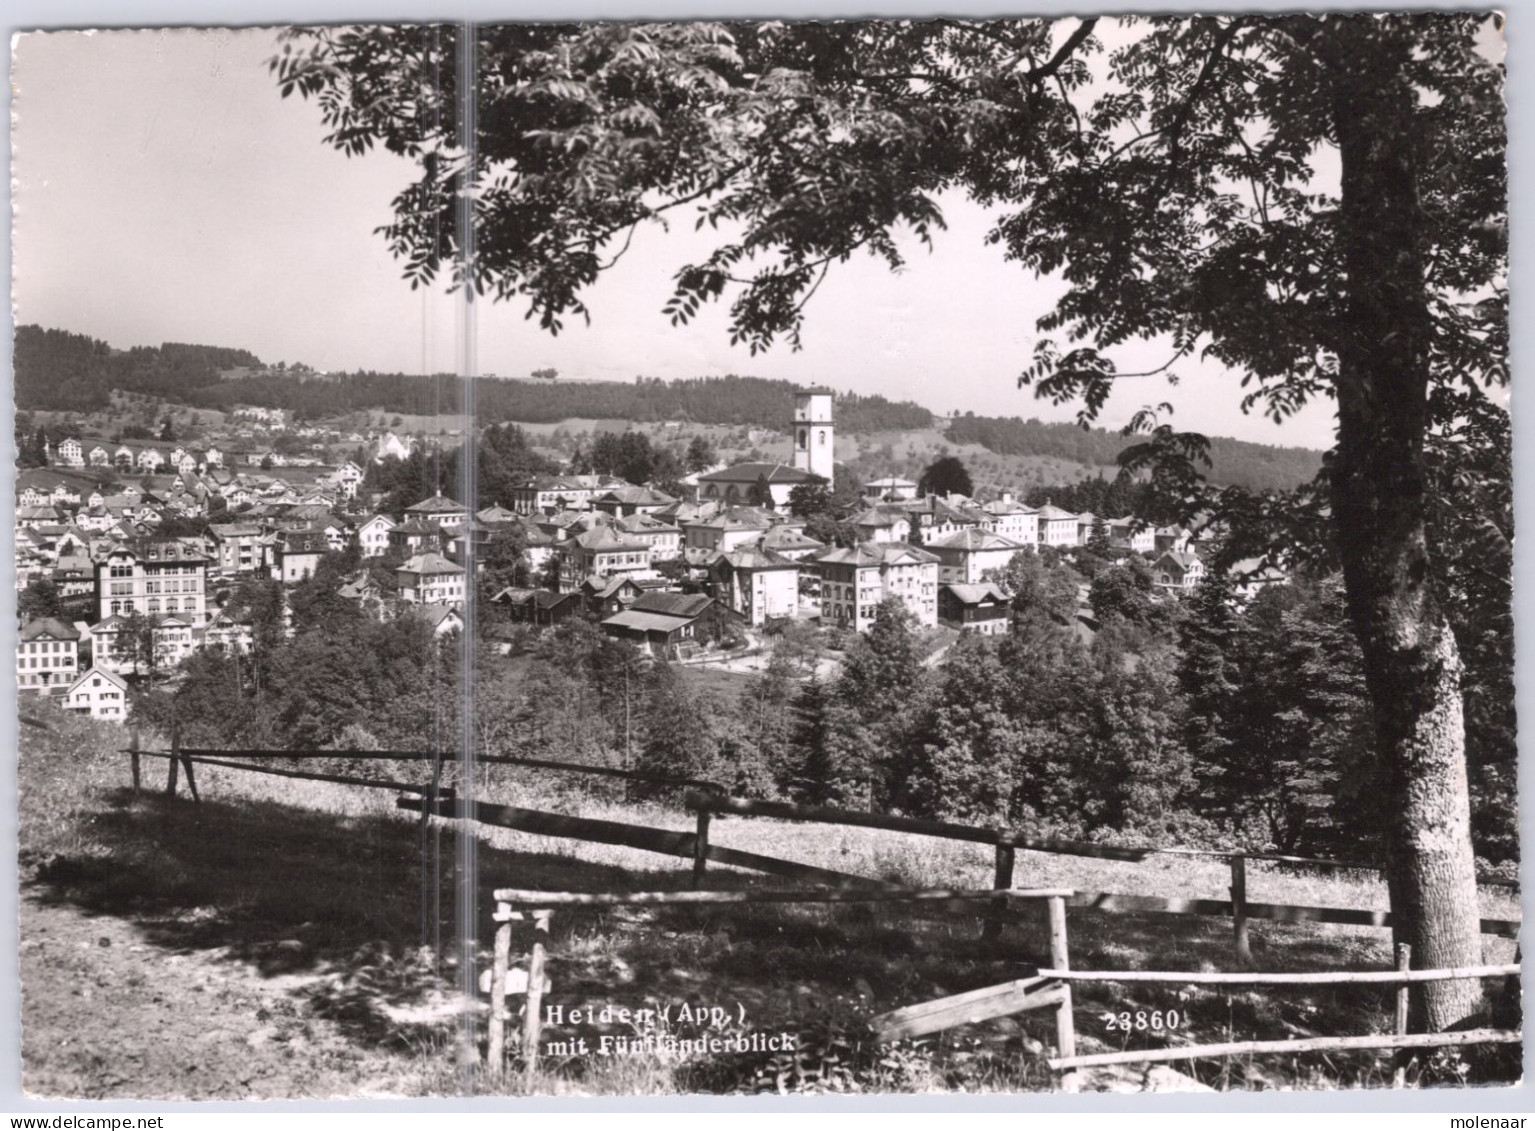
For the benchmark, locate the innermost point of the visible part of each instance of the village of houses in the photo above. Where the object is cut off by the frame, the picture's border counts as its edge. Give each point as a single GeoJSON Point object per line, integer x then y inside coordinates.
{"type": "Point", "coordinates": [647, 566]}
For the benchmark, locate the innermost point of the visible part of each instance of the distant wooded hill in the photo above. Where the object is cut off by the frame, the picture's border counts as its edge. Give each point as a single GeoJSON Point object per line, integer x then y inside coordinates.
{"type": "Point", "coordinates": [1237, 463]}
{"type": "Point", "coordinates": [705, 400]}
{"type": "Point", "coordinates": [59, 370]}
{"type": "Point", "coordinates": [75, 373]}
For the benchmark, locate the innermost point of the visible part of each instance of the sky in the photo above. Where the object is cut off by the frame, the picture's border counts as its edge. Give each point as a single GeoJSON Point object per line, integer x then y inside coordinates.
{"type": "Point", "coordinates": [165, 192]}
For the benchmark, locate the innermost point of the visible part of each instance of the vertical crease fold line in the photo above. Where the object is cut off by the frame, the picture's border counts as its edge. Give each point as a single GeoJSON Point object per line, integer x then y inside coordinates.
{"type": "Point", "coordinates": [467, 367]}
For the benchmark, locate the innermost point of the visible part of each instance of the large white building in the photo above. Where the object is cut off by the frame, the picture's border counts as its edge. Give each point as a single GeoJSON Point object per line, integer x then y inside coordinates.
{"type": "Point", "coordinates": [47, 656]}
{"type": "Point", "coordinates": [856, 579]}
{"type": "Point", "coordinates": [153, 577]}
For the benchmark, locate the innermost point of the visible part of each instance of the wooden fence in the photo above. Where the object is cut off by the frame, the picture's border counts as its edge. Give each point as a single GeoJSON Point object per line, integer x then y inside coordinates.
{"type": "Point", "coordinates": [1052, 987]}
{"type": "Point", "coordinates": [1047, 988]}
{"type": "Point", "coordinates": [1238, 908]}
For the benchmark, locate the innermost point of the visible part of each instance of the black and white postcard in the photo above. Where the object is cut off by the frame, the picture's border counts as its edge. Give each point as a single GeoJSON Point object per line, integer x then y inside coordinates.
{"type": "Point", "coordinates": [893, 556]}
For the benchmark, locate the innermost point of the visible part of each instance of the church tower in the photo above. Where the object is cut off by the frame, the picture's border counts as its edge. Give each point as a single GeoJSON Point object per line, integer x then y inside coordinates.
{"type": "Point", "coordinates": [815, 444]}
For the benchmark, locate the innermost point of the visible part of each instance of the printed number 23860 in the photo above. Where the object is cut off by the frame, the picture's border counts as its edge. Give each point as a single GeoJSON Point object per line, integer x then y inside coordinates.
{"type": "Point", "coordinates": [1155, 1020]}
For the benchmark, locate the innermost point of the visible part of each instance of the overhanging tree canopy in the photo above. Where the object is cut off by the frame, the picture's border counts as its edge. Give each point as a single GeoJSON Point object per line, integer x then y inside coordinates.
{"type": "Point", "coordinates": [1317, 202]}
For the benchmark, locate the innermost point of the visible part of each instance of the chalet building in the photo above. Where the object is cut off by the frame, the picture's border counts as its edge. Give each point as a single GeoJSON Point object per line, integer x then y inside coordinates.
{"type": "Point", "coordinates": [1176, 572]}
{"type": "Point", "coordinates": [758, 584]}
{"type": "Point", "coordinates": [439, 511]}
{"type": "Point", "coordinates": [71, 454]}
{"type": "Point", "coordinates": [373, 535]}
{"type": "Point", "coordinates": [539, 606]}
{"type": "Point", "coordinates": [856, 579]}
{"type": "Point", "coordinates": [47, 656]}
{"type": "Point", "coordinates": [665, 625]}
{"type": "Point", "coordinates": [430, 579]}
{"type": "Point", "coordinates": [982, 609]}
{"type": "Point", "coordinates": [965, 556]}
{"type": "Point", "coordinates": [98, 694]}
{"type": "Point", "coordinates": [153, 577]}
{"type": "Point", "coordinates": [604, 596]}
{"type": "Point", "coordinates": [752, 484]}
{"type": "Point", "coordinates": [100, 457]}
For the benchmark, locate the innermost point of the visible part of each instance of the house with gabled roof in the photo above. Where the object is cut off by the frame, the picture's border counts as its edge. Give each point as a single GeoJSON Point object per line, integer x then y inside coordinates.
{"type": "Point", "coordinates": [664, 625]}
{"type": "Point", "coordinates": [982, 609]}
{"type": "Point", "coordinates": [47, 656]}
{"type": "Point", "coordinates": [440, 511]}
{"type": "Point", "coordinates": [965, 556]}
{"type": "Point", "coordinates": [1057, 527]}
{"type": "Point", "coordinates": [98, 694]}
{"type": "Point", "coordinates": [602, 552]}
{"type": "Point", "coordinates": [855, 579]}
{"type": "Point", "coordinates": [626, 500]}
{"type": "Point", "coordinates": [430, 579]}
{"type": "Point", "coordinates": [761, 585]}
{"type": "Point", "coordinates": [1178, 572]}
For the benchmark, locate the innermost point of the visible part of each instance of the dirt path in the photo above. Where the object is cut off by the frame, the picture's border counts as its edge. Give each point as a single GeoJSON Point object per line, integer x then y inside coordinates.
{"type": "Point", "coordinates": [106, 1015]}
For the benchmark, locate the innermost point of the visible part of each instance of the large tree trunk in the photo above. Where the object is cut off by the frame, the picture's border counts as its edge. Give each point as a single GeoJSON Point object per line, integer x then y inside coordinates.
{"type": "Point", "coordinates": [1411, 662]}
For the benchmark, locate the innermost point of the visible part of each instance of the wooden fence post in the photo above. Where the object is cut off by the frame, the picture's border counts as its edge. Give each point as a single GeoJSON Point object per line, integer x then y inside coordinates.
{"type": "Point", "coordinates": [186, 762]}
{"type": "Point", "coordinates": [532, 1022]}
{"type": "Point", "coordinates": [496, 1045]}
{"type": "Point", "coordinates": [1403, 997]}
{"type": "Point", "coordinates": [1002, 881]}
{"type": "Point", "coordinates": [431, 798]}
{"type": "Point", "coordinates": [1060, 959]}
{"type": "Point", "coordinates": [133, 756]}
{"type": "Point", "coordinates": [174, 760]}
{"type": "Point", "coordinates": [1244, 954]}
{"type": "Point", "coordinates": [701, 847]}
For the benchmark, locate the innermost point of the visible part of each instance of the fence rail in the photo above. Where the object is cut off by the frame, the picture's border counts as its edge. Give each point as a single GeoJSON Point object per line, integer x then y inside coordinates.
{"type": "Point", "coordinates": [1374, 1042]}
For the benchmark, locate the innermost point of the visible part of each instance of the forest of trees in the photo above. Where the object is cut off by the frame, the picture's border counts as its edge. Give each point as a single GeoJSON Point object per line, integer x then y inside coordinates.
{"type": "Point", "coordinates": [706, 400]}
{"type": "Point", "coordinates": [1236, 463]}
{"type": "Point", "coordinates": [55, 369]}
{"type": "Point", "coordinates": [1178, 723]}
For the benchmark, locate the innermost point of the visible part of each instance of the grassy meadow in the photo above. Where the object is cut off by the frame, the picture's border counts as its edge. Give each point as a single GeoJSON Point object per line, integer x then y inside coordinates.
{"type": "Point", "coordinates": [305, 936]}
